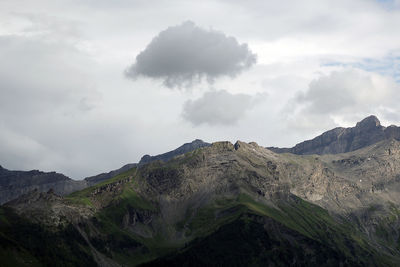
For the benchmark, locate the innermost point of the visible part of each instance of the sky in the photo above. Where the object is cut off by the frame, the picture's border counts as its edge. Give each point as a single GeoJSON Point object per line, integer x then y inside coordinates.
{"type": "Point", "coordinates": [87, 86]}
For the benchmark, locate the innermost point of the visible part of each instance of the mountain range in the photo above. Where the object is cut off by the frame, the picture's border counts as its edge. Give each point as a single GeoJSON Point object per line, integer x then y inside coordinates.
{"type": "Point", "coordinates": [16, 183]}
{"type": "Point", "coordinates": [341, 140]}
{"type": "Point", "coordinates": [330, 201]}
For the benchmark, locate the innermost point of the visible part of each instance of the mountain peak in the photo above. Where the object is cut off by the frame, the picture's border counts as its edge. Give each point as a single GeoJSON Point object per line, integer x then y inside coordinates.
{"type": "Point", "coordinates": [369, 122]}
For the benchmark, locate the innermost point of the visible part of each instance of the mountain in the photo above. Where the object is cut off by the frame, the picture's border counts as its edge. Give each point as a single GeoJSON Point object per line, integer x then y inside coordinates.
{"type": "Point", "coordinates": [221, 205]}
{"type": "Point", "coordinates": [16, 183]}
{"type": "Point", "coordinates": [187, 147]}
{"type": "Point", "coordinates": [340, 140]}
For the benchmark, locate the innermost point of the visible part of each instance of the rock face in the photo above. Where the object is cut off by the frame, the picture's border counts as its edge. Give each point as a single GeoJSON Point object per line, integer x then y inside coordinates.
{"type": "Point", "coordinates": [341, 140]}
{"type": "Point", "coordinates": [187, 147]}
{"type": "Point", "coordinates": [16, 183]}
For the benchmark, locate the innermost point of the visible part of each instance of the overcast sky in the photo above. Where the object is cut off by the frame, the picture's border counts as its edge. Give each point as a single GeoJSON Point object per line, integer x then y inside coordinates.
{"type": "Point", "coordinates": [87, 86]}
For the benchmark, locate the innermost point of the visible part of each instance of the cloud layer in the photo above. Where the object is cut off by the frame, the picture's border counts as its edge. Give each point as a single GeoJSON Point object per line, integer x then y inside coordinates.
{"type": "Point", "coordinates": [218, 108]}
{"type": "Point", "coordinates": [184, 54]}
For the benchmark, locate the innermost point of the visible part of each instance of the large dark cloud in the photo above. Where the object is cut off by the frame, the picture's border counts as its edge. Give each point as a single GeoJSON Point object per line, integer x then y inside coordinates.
{"type": "Point", "coordinates": [184, 54]}
{"type": "Point", "coordinates": [218, 108]}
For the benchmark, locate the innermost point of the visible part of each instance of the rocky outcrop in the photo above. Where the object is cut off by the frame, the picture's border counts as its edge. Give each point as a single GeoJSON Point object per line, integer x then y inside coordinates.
{"type": "Point", "coordinates": [341, 140]}
{"type": "Point", "coordinates": [187, 147]}
{"type": "Point", "coordinates": [16, 183]}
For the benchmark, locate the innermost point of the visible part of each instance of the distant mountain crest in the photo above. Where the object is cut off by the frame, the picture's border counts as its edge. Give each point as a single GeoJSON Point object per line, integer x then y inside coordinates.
{"type": "Point", "coordinates": [340, 140]}
{"type": "Point", "coordinates": [16, 183]}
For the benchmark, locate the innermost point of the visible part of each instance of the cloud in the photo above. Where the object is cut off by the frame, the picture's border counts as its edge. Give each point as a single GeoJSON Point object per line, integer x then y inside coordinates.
{"type": "Point", "coordinates": [184, 54]}
{"type": "Point", "coordinates": [344, 96]}
{"type": "Point", "coordinates": [218, 108]}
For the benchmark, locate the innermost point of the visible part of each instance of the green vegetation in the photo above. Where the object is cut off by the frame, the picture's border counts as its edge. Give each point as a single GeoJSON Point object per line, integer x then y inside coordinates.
{"type": "Point", "coordinates": [83, 197]}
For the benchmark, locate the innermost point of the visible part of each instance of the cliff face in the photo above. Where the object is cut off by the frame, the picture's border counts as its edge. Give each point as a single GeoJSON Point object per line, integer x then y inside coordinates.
{"type": "Point", "coordinates": [341, 140]}
{"type": "Point", "coordinates": [16, 183]}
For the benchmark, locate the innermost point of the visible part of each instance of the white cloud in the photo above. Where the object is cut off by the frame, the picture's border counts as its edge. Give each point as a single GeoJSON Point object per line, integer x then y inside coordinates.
{"type": "Point", "coordinates": [185, 54]}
